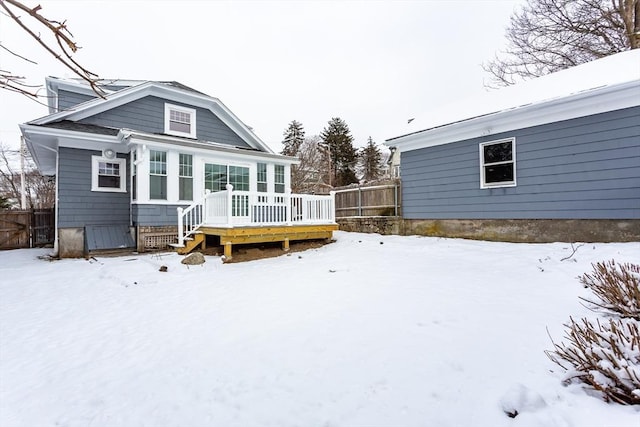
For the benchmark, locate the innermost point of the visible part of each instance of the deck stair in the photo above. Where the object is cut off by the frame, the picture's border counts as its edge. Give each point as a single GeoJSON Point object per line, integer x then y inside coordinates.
{"type": "Point", "coordinates": [195, 240]}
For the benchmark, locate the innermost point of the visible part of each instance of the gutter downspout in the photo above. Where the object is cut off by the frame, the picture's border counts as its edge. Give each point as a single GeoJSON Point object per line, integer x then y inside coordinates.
{"type": "Point", "coordinates": [56, 248]}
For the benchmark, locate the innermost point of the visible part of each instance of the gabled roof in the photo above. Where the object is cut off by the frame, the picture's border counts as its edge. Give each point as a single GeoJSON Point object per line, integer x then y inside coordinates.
{"type": "Point", "coordinates": [602, 85]}
{"type": "Point", "coordinates": [136, 89]}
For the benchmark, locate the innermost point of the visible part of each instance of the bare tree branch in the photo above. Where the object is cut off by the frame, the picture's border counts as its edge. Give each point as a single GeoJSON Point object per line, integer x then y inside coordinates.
{"type": "Point", "coordinates": [545, 36]}
{"type": "Point", "coordinates": [63, 53]}
{"type": "Point", "coordinates": [16, 54]}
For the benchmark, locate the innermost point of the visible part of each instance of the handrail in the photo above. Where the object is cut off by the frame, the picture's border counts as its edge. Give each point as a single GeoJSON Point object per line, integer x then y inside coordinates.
{"type": "Point", "coordinates": [190, 219]}
{"type": "Point", "coordinates": [229, 208]}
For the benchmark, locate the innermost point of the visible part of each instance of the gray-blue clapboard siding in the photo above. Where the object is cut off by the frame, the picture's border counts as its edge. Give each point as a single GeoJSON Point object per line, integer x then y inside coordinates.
{"type": "Point", "coordinates": [155, 215]}
{"type": "Point", "coordinates": [78, 206]}
{"type": "Point", "coordinates": [147, 115]}
{"type": "Point", "coordinates": [584, 168]}
{"type": "Point", "coordinates": [68, 99]}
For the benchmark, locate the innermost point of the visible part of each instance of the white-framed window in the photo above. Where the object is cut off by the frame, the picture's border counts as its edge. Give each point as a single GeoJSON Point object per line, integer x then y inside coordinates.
{"type": "Point", "coordinates": [185, 177]}
{"type": "Point", "coordinates": [278, 178]}
{"type": "Point", "coordinates": [498, 163]}
{"type": "Point", "coordinates": [179, 121]}
{"type": "Point", "coordinates": [157, 175]}
{"type": "Point", "coordinates": [262, 177]}
{"type": "Point", "coordinates": [262, 181]}
{"type": "Point", "coordinates": [216, 177]}
{"type": "Point", "coordinates": [108, 174]}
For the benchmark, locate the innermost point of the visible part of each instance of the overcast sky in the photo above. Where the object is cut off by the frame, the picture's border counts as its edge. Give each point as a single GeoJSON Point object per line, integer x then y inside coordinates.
{"type": "Point", "coordinates": [375, 64]}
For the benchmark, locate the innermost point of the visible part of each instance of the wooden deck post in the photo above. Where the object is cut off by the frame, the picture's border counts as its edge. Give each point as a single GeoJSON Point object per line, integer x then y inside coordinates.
{"type": "Point", "coordinates": [285, 245]}
{"type": "Point", "coordinates": [227, 250]}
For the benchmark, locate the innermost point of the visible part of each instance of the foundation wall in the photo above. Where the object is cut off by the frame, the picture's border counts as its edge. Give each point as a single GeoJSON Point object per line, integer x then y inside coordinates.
{"type": "Point", "coordinates": [521, 230]}
{"type": "Point", "coordinates": [71, 242]}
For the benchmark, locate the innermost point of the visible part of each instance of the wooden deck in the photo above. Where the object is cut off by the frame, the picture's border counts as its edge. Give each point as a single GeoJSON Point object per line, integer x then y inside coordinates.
{"type": "Point", "coordinates": [257, 234]}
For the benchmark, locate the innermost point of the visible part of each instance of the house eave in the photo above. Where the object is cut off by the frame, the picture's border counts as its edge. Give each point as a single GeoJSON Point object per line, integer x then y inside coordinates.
{"type": "Point", "coordinates": [595, 101]}
{"type": "Point", "coordinates": [141, 138]}
{"type": "Point", "coordinates": [42, 141]}
{"type": "Point", "coordinates": [173, 94]}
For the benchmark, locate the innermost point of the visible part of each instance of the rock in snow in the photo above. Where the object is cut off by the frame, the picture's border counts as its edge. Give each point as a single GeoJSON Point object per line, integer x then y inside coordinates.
{"type": "Point", "coordinates": [195, 258]}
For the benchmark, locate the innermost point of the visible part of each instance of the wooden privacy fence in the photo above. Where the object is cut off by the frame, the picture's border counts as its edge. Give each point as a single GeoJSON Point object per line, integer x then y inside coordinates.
{"type": "Point", "coordinates": [26, 229]}
{"type": "Point", "coordinates": [377, 200]}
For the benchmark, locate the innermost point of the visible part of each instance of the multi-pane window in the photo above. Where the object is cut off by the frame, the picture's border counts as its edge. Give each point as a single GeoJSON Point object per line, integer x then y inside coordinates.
{"type": "Point", "coordinates": [215, 177]}
{"type": "Point", "coordinates": [262, 181]}
{"type": "Point", "coordinates": [279, 178]}
{"type": "Point", "coordinates": [108, 174]}
{"type": "Point", "coordinates": [498, 164]}
{"type": "Point", "coordinates": [262, 177]}
{"type": "Point", "coordinates": [157, 175]}
{"type": "Point", "coordinates": [180, 121]}
{"type": "Point", "coordinates": [185, 174]}
{"type": "Point", "coordinates": [239, 178]}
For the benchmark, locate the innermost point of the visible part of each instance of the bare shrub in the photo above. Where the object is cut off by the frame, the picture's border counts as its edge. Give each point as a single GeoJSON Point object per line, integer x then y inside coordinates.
{"type": "Point", "coordinates": [617, 287]}
{"type": "Point", "coordinates": [605, 356]}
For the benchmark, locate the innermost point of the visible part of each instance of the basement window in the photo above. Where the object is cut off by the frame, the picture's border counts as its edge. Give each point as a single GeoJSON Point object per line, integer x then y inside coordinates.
{"type": "Point", "coordinates": [108, 174]}
{"type": "Point", "coordinates": [498, 163]}
{"type": "Point", "coordinates": [179, 121]}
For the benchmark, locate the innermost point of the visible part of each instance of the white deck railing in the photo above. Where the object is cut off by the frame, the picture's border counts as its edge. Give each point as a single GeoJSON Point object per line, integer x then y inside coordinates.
{"type": "Point", "coordinates": [251, 208]}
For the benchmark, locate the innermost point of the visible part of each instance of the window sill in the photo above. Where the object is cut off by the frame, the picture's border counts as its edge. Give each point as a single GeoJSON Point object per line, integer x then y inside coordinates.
{"type": "Point", "coordinates": [501, 185]}
{"type": "Point", "coordinates": [108, 190]}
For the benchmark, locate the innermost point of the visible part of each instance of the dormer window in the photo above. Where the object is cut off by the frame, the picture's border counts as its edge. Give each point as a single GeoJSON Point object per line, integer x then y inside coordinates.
{"type": "Point", "coordinates": [179, 121]}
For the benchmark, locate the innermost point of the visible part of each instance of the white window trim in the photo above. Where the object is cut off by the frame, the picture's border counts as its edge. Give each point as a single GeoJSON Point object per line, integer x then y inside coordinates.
{"type": "Point", "coordinates": [185, 176]}
{"type": "Point", "coordinates": [95, 167]}
{"type": "Point", "coordinates": [284, 178]}
{"type": "Point", "coordinates": [483, 183]}
{"type": "Point", "coordinates": [167, 115]}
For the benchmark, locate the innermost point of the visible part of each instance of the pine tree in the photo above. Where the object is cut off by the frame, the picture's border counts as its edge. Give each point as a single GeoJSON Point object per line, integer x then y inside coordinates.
{"type": "Point", "coordinates": [5, 203]}
{"type": "Point", "coordinates": [293, 138]}
{"type": "Point", "coordinates": [344, 157]}
{"type": "Point", "coordinates": [371, 162]}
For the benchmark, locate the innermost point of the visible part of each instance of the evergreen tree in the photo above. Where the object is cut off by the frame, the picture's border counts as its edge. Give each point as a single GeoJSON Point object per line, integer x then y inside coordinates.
{"type": "Point", "coordinates": [293, 138]}
{"type": "Point", "coordinates": [371, 162]}
{"type": "Point", "coordinates": [5, 203]}
{"type": "Point", "coordinates": [344, 157]}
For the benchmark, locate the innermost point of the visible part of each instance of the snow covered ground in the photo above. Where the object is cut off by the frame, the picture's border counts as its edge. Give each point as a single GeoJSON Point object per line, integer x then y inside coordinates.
{"type": "Point", "coordinates": [368, 331]}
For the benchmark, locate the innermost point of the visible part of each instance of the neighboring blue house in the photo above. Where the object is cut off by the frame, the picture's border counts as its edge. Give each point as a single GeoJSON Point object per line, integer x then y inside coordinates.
{"type": "Point", "coordinates": [552, 159]}
{"type": "Point", "coordinates": [125, 163]}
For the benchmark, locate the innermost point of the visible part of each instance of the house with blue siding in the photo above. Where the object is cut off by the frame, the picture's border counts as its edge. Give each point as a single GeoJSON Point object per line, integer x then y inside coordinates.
{"type": "Point", "coordinates": [556, 158]}
{"type": "Point", "coordinates": [156, 163]}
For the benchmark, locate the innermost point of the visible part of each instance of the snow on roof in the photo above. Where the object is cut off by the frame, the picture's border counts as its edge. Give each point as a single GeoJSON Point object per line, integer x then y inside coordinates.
{"type": "Point", "coordinates": [623, 67]}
